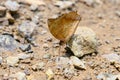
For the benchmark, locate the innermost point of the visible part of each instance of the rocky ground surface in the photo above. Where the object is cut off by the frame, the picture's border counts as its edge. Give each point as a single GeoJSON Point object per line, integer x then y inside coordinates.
{"type": "Point", "coordinates": [28, 51]}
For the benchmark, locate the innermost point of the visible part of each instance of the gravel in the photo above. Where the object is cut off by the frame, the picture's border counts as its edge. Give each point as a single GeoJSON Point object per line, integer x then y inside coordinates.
{"type": "Point", "coordinates": [12, 5]}
{"type": "Point", "coordinates": [7, 42]}
{"type": "Point", "coordinates": [12, 61]}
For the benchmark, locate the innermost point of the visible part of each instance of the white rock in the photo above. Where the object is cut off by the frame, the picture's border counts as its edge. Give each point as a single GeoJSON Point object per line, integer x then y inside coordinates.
{"type": "Point", "coordinates": [63, 4]}
{"type": "Point", "coordinates": [83, 42]}
{"type": "Point", "coordinates": [106, 76]}
{"type": "Point", "coordinates": [33, 7]}
{"type": "Point", "coordinates": [114, 1]}
{"type": "Point", "coordinates": [113, 57]}
{"type": "Point", "coordinates": [35, 2]}
{"type": "Point", "coordinates": [77, 62]}
{"type": "Point", "coordinates": [93, 2]}
{"type": "Point", "coordinates": [62, 62]}
{"type": "Point", "coordinates": [45, 45]}
{"type": "Point", "coordinates": [7, 42]}
{"type": "Point", "coordinates": [46, 56]}
{"type": "Point", "coordinates": [27, 28]}
{"type": "Point", "coordinates": [11, 60]}
{"type": "Point", "coordinates": [23, 56]}
{"type": "Point", "coordinates": [19, 76]}
{"type": "Point", "coordinates": [12, 5]}
{"type": "Point", "coordinates": [25, 47]}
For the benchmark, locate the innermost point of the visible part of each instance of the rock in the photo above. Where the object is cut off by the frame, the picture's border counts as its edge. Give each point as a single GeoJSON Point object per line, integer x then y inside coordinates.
{"type": "Point", "coordinates": [33, 7]}
{"type": "Point", "coordinates": [27, 71]}
{"type": "Point", "coordinates": [19, 76]}
{"type": "Point", "coordinates": [117, 13]}
{"type": "Point", "coordinates": [35, 2]}
{"type": "Point", "coordinates": [43, 32]}
{"type": "Point", "coordinates": [38, 66]}
{"type": "Point", "coordinates": [35, 19]}
{"type": "Point", "coordinates": [23, 56]}
{"type": "Point", "coordinates": [12, 61]}
{"type": "Point", "coordinates": [2, 11]}
{"type": "Point", "coordinates": [62, 62]}
{"type": "Point", "coordinates": [93, 2]}
{"type": "Point", "coordinates": [25, 47]}
{"type": "Point", "coordinates": [49, 74]}
{"type": "Point", "coordinates": [45, 45]}
{"type": "Point", "coordinates": [107, 76]}
{"type": "Point", "coordinates": [27, 28]}
{"type": "Point", "coordinates": [112, 57]}
{"type": "Point", "coordinates": [114, 1]}
{"type": "Point", "coordinates": [46, 56]}
{"type": "Point", "coordinates": [63, 4]}
{"type": "Point", "coordinates": [69, 72]}
{"type": "Point", "coordinates": [83, 42]}
{"type": "Point", "coordinates": [7, 42]}
{"type": "Point", "coordinates": [1, 60]}
{"type": "Point", "coordinates": [77, 62]}
{"type": "Point", "coordinates": [12, 5]}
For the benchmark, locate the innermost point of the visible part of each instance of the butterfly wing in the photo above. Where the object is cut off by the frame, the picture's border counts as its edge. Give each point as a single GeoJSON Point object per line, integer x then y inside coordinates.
{"type": "Point", "coordinates": [64, 26]}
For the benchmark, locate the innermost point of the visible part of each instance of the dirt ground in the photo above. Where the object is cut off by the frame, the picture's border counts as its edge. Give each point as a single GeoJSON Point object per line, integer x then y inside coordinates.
{"type": "Point", "coordinates": [102, 17]}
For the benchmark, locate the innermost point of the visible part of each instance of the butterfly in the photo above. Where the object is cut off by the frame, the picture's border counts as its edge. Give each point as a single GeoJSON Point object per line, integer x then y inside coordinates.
{"type": "Point", "coordinates": [64, 26]}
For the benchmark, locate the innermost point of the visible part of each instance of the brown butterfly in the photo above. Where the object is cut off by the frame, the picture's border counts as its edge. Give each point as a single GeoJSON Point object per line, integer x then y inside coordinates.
{"type": "Point", "coordinates": [64, 26]}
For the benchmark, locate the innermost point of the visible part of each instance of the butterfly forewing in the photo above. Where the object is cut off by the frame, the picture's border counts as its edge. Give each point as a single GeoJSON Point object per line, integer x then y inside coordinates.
{"type": "Point", "coordinates": [64, 26]}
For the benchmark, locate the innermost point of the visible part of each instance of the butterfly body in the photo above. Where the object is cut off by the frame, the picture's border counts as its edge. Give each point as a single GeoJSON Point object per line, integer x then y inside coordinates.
{"type": "Point", "coordinates": [64, 26]}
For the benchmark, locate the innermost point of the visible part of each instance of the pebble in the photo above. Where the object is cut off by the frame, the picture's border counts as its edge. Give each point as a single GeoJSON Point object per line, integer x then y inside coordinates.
{"type": "Point", "coordinates": [35, 19]}
{"type": "Point", "coordinates": [19, 76]}
{"type": "Point", "coordinates": [2, 11]}
{"type": "Point", "coordinates": [83, 42]}
{"type": "Point", "coordinates": [43, 32]}
{"type": "Point", "coordinates": [33, 7]}
{"type": "Point", "coordinates": [1, 59]}
{"type": "Point", "coordinates": [112, 57]}
{"type": "Point", "coordinates": [7, 42]}
{"type": "Point", "coordinates": [107, 76]}
{"type": "Point", "coordinates": [63, 4]}
{"type": "Point", "coordinates": [117, 13]}
{"type": "Point", "coordinates": [62, 62]}
{"type": "Point", "coordinates": [25, 47]}
{"type": "Point", "coordinates": [69, 72]}
{"type": "Point", "coordinates": [12, 61]}
{"type": "Point", "coordinates": [12, 5]}
{"type": "Point", "coordinates": [38, 66]}
{"type": "Point", "coordinates": [35, 2]}
{"type": "Point", "coordinates": [114, 2]}
{"type": "Point", "coordinates": [27, 28]}
{"type": "Point", "coordinates": [77, 62]}
{"type": "Point", "coordinates": [45, 45]}
{"type": "Point", "coordinates": [93, 2]}
{"type": "Point", "coordinates": [49, 74]}
{"type": "Point", "coordinates": [47, 56]}
{"type": "Point", "coordinates": [23, 56]}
